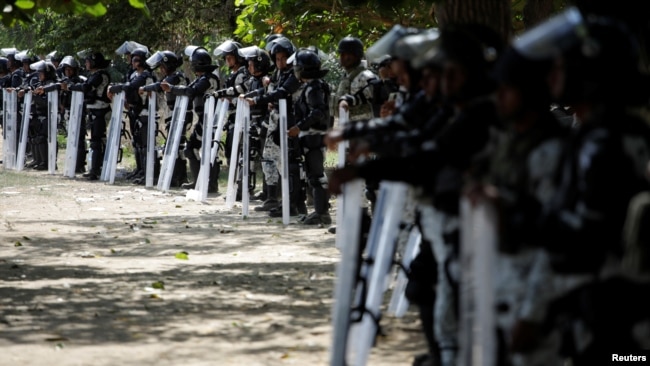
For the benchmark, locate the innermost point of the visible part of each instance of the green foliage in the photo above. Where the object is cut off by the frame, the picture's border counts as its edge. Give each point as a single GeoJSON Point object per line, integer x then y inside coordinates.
{"type": "Point", "coordinates": [322, 23]}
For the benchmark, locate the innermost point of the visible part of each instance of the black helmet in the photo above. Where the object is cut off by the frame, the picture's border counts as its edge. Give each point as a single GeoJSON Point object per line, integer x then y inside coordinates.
{"type": "Point", "coordinates": [604, 66]}
{"type": "Point", "coordinates": [167, 58]}
{"type": "Point", "coordinates": [261, 60]}
{"type": "Point", "coordinates": [476, 47]}
{"type": "Point", "coordinates": [4, 65]}
{"type": "Point", "coordinates": [45, 67]}
{"type": "Point", "coordinates": [306, 65]}
{"type": "Point", "coordinates": [97, 60]}
{"type": "Point", "coordinates": [229, 47]}
{"type": "Point", "coordinates": [269, 39]}
{"type": "Point", "coordinates": [351, 45]}
{"type": "Point", "coordinates": [69, 61]}
{"type": "Point", "coordinates": [141, 55]}
{"type": "Point", "coordinates": [200, 59]}
{"type": "Point", "coordinates": [281, 44]}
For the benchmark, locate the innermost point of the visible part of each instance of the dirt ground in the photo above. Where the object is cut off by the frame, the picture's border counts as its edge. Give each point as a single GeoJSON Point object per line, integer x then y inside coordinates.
{"type": "Point", "coordinates": [94, 274]}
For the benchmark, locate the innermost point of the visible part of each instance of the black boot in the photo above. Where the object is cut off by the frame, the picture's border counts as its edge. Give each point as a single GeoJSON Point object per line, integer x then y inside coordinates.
{"type": "Point", "coordinates": [41, 149]}
{"type": "Point", "coordinates": [195, 166]}
{"type": "Point", "coordinates": [213, 183]}
{"type": "Point", "coordinates": [271, 201]}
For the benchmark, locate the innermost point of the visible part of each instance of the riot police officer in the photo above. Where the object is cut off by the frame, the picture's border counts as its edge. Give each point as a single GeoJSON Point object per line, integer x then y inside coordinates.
{"type": "Point", "coordinates": [97, 103]}
{"type": "Point", "coordinates": [312, 116]}
{"type": "Point", "coordinates": [206, 81]}
{"type": "Point", "coordinates": [46, 76]}
{"type": "Point", "coordinates": [169, 64]}
{"type": "Point", "coordinates": [234, 84]}
{"type": "Point", "coordinates": [138, 111]}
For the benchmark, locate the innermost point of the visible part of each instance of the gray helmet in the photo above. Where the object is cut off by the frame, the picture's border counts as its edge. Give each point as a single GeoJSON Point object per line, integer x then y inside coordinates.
{"type": "Point", "coordinates": [129, 46]}
{"type": "Point", "coordinates": [261, 60]}
{"type": "Point", "coordinates": [69, 61]}
{"type": "Point", "coordinates": [45, 67]}
{"type": "Point", "coordinates": [96, 59]}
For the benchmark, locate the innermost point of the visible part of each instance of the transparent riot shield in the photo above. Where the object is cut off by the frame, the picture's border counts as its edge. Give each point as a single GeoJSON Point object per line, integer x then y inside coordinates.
{"type": "Point", "coordinates": [245, 165]}
{"type": "Point", "coordinates": [342, 152]}
{"type": "Point", "coordinates": [284, 161]}
{"type": "Point", "coordinates": [173, 140]}
{"type": "Point", "coordinates": [399, 304]}
{"type": "Point", "coordinates": [347, 240]}
{"type": "Point", "coordinates": [74, 131]}
{"type": "Point", "coordinates": [10, 122]}
{"type": "Point", "coordinates": [381, 250]}
{"type": "Point", "coordinates": [113, 142]}
{"type": "Point", "coordinates": [231, 192]}
{"type": "Point", "coordinates": [52, 120]}
{"type": "Point", "coordinates": [22, 140]}
{"type": "Point", "coordinates": [478, 243]}
{"type": "Point", "coordinates": [151, 141]}
{"type": "Point", "coordinates": [200, 191]}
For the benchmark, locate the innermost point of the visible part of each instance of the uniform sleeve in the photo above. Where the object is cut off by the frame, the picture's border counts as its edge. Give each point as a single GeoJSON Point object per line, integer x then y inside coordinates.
{"type": "Point", "coordinates": [316, 109]}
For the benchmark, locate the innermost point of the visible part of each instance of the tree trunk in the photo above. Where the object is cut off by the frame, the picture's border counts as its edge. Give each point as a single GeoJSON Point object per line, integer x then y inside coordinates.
{"type": "Point", "coordinates": [536, 11]}
{"type": "Point", "coordinates": [493, 13]}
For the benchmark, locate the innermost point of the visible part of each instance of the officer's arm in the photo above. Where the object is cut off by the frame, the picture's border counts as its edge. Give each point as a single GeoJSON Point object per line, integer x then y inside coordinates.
{"type": "Point", "coordinates": [287, 88]}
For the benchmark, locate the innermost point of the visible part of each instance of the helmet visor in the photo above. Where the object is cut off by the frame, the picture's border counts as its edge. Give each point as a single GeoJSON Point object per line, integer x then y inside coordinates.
{"type": "Point", "coordinates": [553, 36]}
{"type": "Point", "coordinates": [155, 60]}
{"type": "Point", "coordinates": [129, 46]}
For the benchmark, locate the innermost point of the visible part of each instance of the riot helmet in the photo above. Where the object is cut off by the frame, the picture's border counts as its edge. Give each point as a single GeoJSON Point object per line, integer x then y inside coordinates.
{"type": "Point", "coordinates": [475, 48]}
{"type": "Point", "coordinates": [53, 57]}
{"type": "Point", "coordinates": [351, 45]}
{"type": "Point", "coordinates": [129, 46]}
{"type": "Point", "coordinates": [230, 47]}
{"type": "Point", "coordinates": [269, 39]}
{"type": "Point", "coordinates": [69, 61]}
{"type": "Point", "coordinates": [306, 65]}
{"type": "Point", "coordinates": [261, 60]}
{"type": "Point", "coordinates": [95, 59]}
{"type": "Point", "coordinates": [166, 58]}
{"type": "Point", "coordinates": [45, 67]}
{"type": "Point", "coordinates": [281, 44]}
{"type": "Point", "coordinates": [200, 59]}
{"type": "Point", "coordinates": [604, 66]}
{"type": "Point", "coordinates": [139, 54]}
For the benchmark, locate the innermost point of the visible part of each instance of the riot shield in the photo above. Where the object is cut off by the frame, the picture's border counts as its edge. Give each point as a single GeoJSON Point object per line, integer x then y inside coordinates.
{"type": "Point", "coordinates": [113, 142]}
{"type": "Point", "coordinates": [381, 250]}
{"type": "Point", "coordinates": [231, 192]}
{"type": "Point", "coordinates": [151, 141]}
{"type": "Point", "coordinates": [245, 165]}
{"type": "Point", "coordinates": [398, 304]}
{"type": "Point", "coordinates": [342, 152]}
{"type": "Point", "coordinates": [347, 240]}
{"type": "Point", "coordinates": [173, 140]}
{"type": "Point", "coordinates": [200, 191]}
{"type": "Point", "coordinates": [74, 131]}
{"type": "Point", "coordinates": [478, 245]}
{"type": "Point", "coordinates": [284, 161]}
{"type": "Point", "coordinates": [10, 118]}
{"type": "Point", "coordinates": [22, 141]}
{"type": "Point", "coordinates": [52, 130]}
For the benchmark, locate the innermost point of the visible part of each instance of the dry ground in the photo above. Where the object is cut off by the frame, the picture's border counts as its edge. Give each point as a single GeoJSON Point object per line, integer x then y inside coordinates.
{"type": "Point", "coordinates": [79, 263]}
